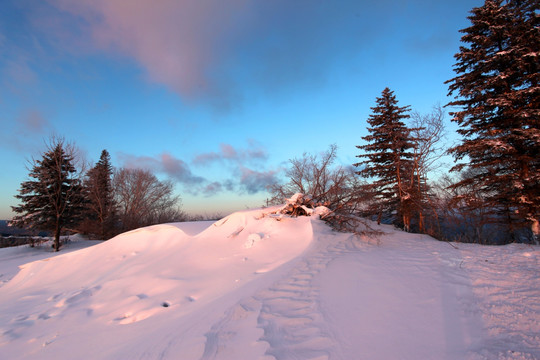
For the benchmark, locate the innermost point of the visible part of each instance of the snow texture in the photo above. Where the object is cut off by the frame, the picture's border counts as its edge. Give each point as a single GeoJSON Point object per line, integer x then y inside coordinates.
{"type": "Point", "coordinates": [256, 286]}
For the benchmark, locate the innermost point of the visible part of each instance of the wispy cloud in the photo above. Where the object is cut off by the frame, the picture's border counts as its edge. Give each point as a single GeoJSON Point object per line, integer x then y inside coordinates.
{"type": "Point", "coordinates": [238, 178]}
{"type": "Point", "coordinates": [203, 49]}
{"type": "Point", "coordinates": [165, 163]}
{"type": "Point", "coordinates": [27, 131]}
{"type": "Point", "coordinates": [19, 71]}
{"type": "Point", "coordinates": [33, 121]}
{"type": "Point", "coordinates": [178, 43]}
{"type": "Point", "coordinates": [252, 181]}
{"type": "Point", "coordinates": [229, 153]}
{"type": "Point", "coordinates": [212, 189]}
{"type": "Point", "coordinates": [240, 162]}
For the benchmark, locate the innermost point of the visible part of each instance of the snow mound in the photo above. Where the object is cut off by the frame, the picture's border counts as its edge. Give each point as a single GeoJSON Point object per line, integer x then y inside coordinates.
{"type": "Point", "coordinates": [150, 275]}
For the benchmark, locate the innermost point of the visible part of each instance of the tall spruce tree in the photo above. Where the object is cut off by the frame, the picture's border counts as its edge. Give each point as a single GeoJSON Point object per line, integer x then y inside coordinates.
{"type": "Point", "coordinates": [497, 94]}
{"type": "Point", "coordinates": [100, 206]}
{"type": "Point", "coordinates": [52, 201]}
{"type": "Point", "coordinates": [388, 159]}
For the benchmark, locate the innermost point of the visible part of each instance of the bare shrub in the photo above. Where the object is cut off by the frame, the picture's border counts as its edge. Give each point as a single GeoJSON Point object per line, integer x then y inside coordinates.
{"type": "Point", "coordinates": [144, 200]}
{"type": "Point", "coordinates": [323, 183]}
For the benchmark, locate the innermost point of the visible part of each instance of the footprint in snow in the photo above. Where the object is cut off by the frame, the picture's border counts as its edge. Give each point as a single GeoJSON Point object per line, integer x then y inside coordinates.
{"type": "Point", "coordinates": [50, 341]}
{"type": "Point", "coordinates": [253, 239]}
{"type": "Point", "coordinates": [44, 316]}
{"type": "Point", "coordinates": [123, 317]}
{"type": "Point", "coordinates": [236, 232]}
{"type": "Point", "coordinates": [77, 296]}
{"type": "Point", "coordinates": [55, 297]}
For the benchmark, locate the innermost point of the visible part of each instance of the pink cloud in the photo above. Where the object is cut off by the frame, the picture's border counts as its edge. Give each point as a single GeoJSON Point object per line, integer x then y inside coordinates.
{"type": "Point", "coordinates": [229, 153]}
{"type": "Point", "coordinates": [27, 131]}
{"type": "Point", "coordinates": [212, 188]}
{"type": "Point", "coordinates": [243, 180]}
{"type": "Point", "coordinates": [33, 121]}
{"type": "Point", "coordinates": [206, 158]}
{"type": "Point", "coordinates": [165, 163]}
{"type": "Point", "coordinates": [177, 42]}
{"type": "Point", "coordinates": [215, 50]}
{"type": "Point", "coordinates": [253, 181]}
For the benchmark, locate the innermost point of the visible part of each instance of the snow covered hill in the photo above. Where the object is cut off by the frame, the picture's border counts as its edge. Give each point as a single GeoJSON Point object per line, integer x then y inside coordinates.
{"type": "Point", "coordinates": [259, 286]}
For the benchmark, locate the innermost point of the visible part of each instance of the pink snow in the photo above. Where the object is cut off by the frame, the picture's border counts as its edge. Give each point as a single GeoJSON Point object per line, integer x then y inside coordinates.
{"type": "Point", "coordinates": [257, 286]}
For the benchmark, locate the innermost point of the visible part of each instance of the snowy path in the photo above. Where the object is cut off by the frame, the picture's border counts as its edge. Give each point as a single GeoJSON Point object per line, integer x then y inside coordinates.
{"type": "Point", "coordinates": [283, 320]}
{"type": "Point", "coordinates": [329, 305]}
{"type": "Point", "coordinates": [397, 304]}
{"type": "Point", "coordinates": [290, 315]}
{"type": "Point", "coordinates": [406, 298]}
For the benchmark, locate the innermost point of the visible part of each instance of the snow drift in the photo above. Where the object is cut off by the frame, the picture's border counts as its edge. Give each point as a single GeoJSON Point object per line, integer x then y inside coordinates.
{"type": "Point", "coordinates": [80, 301]}
{"type": "Point", "coordinates": [256, 285]}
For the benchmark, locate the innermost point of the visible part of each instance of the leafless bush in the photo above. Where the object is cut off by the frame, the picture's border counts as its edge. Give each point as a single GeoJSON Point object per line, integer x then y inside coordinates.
{"type": "Point", "coordinates": [144, 200]}
{"type": "Point", "coordinates": [204, 217]}
{"type": "Point", "coordinates": [303, 205]}
{"type": "Point", "coordinates": [336, 187]}
{"type": "Point", "coordinates": [466, 218]}
{"type": "Point", "coordinates": [21, 240]}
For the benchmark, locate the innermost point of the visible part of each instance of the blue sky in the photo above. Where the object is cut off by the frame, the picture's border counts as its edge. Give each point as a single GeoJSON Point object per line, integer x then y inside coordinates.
{"type": "Point", "coordinates": [214, 95]}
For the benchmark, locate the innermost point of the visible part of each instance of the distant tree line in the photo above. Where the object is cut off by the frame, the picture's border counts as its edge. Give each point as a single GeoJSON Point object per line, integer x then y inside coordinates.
{"type": "Point", "coordinates": [100, 202]}
{"type": "Point", "coordinates": [493, 194]}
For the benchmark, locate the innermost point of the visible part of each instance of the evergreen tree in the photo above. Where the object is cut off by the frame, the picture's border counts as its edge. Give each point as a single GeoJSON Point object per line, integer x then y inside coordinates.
{"type": "Point", "coordinates": [52, 201]}
{"type": "Point", "coordinates": [100, 206]}
{"type": "Point", "coordinates": [497, 95]}
{"type": "Point", "coordinates": [388, 158]}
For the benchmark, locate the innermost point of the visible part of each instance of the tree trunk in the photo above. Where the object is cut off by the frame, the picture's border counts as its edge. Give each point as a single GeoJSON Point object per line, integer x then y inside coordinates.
{"type": "Point", "coordinates": [419, 196]}
{"type": "Point", "coordinates": [406, 222]}
{"type": "Point", "coordinates": [535, 228]}
{"type": "Point", "coordinates": [57, 237]}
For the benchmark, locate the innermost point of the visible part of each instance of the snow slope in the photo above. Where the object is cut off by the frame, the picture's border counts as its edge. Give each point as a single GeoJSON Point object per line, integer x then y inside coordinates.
{"type": "Point", "coordinates": [258, 286]}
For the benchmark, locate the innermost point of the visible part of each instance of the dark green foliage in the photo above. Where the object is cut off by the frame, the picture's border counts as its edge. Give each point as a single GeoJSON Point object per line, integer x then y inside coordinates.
{"type": "Point", "coordinates": [389, 156]}
{"type": "Point", "coordinates": [100, 209]}
{"type": "Point", "coordinates": [497, 96]}
{"type": "Point", "coordinates": [52, 200]}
